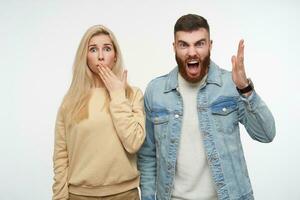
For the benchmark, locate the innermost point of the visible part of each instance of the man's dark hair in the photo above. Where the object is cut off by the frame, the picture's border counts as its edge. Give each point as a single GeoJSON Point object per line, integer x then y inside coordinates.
{"type": "Point", "coordinates": [190, 22]}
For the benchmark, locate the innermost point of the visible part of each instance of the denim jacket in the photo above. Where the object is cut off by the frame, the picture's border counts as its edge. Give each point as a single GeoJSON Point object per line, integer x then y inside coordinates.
{"type": "Point", "coordinates": [220, 109]}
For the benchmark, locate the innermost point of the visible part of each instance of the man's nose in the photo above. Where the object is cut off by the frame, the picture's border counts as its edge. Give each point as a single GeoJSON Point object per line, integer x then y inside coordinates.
{"type": "Point", "coordinates": [192, 51]}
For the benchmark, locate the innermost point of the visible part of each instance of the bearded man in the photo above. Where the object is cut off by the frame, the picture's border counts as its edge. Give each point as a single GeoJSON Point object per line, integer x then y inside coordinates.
{"type": "Point", "coordinates": [193, 149]}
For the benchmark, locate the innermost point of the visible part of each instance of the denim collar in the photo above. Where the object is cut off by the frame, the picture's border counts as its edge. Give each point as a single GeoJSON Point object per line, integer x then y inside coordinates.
{"type": "Point", "coordinates": [214, 77]}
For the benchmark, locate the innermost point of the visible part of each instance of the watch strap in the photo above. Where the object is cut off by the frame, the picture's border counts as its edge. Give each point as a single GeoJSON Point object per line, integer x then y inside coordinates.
{"type": "Point", "coordinates": [247, 88]}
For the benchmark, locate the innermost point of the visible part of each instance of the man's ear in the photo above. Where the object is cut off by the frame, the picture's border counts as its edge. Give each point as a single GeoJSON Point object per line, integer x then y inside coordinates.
{"type": "Point", "coordinates": [174, 47]}
{"type": "Point", "coordinates": [210, 45]}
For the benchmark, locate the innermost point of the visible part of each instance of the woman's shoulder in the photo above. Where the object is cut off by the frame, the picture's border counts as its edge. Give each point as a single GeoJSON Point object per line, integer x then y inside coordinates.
{"type": "Point", "coordinates": [136, 90]}
{"type": "Point", "coordinates": [136, 93]}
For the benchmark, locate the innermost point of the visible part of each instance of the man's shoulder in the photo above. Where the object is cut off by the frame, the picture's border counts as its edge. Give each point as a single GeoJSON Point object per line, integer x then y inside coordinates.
{"type": "Point", "coordinates": [159, 79]}
{"type": "Point", "coordinates": [158, 82]}
{"type": "Point", "coordinates": [223, 73]}
{"type": "Point", "coordinates": [226, 75]}
{"type": "Point", "coordinates": [222, 70]}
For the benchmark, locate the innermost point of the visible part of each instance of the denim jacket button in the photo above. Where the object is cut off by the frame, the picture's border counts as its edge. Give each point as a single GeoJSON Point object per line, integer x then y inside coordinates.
{"type": "Point", "coordinates": [224, 109]}
{"type": "Point", "coordinates": [176, 116]}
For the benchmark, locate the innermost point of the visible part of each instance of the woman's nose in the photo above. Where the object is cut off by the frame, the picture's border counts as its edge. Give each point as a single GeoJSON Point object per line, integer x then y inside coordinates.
{"type": "Point", "coordinates": [100, 56]}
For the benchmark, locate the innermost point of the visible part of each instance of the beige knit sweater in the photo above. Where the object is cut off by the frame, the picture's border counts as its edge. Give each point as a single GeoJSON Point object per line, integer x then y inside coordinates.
{"type": "Point", "coordinates": [96, 157]}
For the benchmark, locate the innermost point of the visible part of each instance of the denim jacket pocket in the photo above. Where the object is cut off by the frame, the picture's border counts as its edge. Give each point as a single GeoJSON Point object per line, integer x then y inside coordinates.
{"type": "Point", "coordinates": [225, 114]}
{"type": "Point", "coordinates": [160, 119]}
{"type": "Point", "coordinates": [224, 106]}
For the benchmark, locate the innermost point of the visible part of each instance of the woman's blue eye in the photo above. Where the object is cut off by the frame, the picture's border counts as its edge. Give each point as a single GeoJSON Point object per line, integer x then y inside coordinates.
{"type": "Point", "coordinates": [93, 49]}
{"type": "Point", "coordinates": [107, 49]}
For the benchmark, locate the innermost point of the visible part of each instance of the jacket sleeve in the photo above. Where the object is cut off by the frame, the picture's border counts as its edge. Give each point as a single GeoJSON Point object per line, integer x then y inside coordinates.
{"type": "Point", "coordinates": [60, 160]}
{"type": "Point", "coordinates": [257, 118]}
{"type": "Point", "coordinates": [147, 159]}
{"type": "Point", "coordinates": [129, 119]}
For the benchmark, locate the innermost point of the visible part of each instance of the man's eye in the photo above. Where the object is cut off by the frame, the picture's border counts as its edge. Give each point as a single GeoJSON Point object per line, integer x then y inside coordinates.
{"type": "Point", "coordinates": [183, 45]}
{"type": "Point", "coordinates": [200, 44]}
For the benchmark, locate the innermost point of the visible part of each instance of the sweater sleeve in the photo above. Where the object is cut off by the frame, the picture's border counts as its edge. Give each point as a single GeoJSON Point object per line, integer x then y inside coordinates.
{"type": "Point", "coordinates": [129, 119]}
{"type": "Point", "coordinates": [60, 160]}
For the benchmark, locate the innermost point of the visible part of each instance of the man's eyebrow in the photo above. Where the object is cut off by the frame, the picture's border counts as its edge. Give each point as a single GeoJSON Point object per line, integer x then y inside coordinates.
{"type": "Point", "coordinates": [182, 41]}
{"type": "Point", "coordinates": [201, 40]}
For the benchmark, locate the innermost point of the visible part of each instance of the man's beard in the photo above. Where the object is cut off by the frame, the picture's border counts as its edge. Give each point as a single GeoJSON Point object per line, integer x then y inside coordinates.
{"type": "Point", "coordinates": [204, 63]}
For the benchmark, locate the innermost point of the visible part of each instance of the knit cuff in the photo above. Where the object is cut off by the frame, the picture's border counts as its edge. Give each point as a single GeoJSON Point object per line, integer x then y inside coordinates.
{"type": "Point", "coordinates": [118, 95]}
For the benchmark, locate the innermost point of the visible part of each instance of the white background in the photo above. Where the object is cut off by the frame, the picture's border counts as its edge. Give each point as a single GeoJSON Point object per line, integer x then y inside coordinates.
{"type": "Point", "coordinates": [38, 41]}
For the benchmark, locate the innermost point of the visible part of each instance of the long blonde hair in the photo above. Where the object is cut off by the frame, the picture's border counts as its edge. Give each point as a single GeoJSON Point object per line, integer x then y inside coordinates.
{"type": "Point", "coordinates": [75, 102]}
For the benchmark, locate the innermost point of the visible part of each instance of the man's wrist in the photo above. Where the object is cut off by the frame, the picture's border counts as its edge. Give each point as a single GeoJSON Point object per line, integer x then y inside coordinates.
{"type": "Point", "coordinates": [246, 90]}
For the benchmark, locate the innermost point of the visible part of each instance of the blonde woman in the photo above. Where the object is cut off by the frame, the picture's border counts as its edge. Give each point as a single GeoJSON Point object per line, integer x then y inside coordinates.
{"type": "Point", "coordinates": [100, 125]}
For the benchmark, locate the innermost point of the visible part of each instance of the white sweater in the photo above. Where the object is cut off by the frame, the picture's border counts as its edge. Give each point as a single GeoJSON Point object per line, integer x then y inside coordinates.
{"type": "Point", "coordinates": [193, 180]}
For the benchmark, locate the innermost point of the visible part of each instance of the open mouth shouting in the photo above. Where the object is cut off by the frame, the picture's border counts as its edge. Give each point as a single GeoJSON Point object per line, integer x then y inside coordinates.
{"type": "Point", "coordinates": [193, 68]}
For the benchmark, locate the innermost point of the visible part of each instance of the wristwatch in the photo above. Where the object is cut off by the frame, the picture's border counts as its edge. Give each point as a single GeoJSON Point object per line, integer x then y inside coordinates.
{"type": "Point", "coordinates": [249, 88]}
